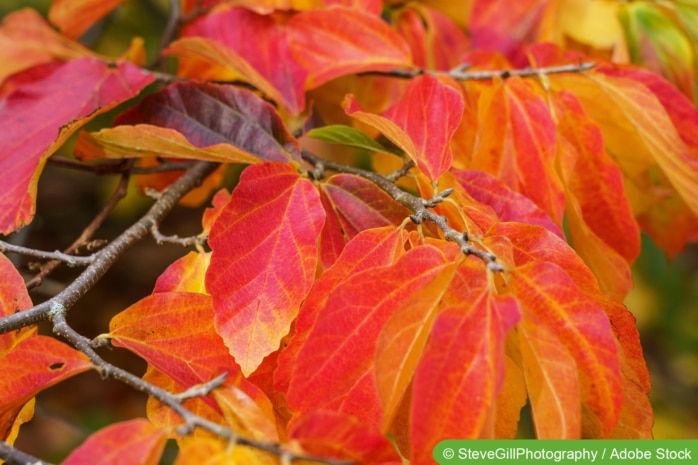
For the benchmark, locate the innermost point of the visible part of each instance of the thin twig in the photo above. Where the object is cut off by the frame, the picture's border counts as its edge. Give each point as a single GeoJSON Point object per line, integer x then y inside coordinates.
{"type": "Point", "coordinates": [121, 166]}
{"type": "Point", "coordinates": [461, 74]}
{"type": "Point", "coordinates": [420, 207]}
{"type": "Point", "coordinates": [106, 257]}
{"type": "Point", "coordinates": [173, 401]}
{"type": "Point", "coordinates": [70, 260]}
{"type": "Point", "coordinates": [85, 237]}
{"type": "Point", "coordinates": [13, 456]}
{"type": "Point", "coordinates": [201, 390]}
{"type": "Point", "coordinates": [160, 238]}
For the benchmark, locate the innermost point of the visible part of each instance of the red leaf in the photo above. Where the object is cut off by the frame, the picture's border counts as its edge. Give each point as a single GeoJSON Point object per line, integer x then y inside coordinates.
{"type": "Point", "coordinates": [264, 259]}
{"type": "Point", "coordinates": [421, 123]}
{"type": "Point", "coordinates": [507, 204]}
{"type": "Point", "coordinates": [429, 112]}
{"type": "Point", "coordinates": [32, 365]}
{"type": "Point", "coordinates": [550, 299]}
{"type": "Point", "coordinates": [210, 114]}
{"type": "Point", "coordinates": [463, 362]}
{"type": "Point", "coordinates": [369, 249]}
{"type": "Point", "coordinates": [402, 339]}
{"type": "Point", "coordinates": [325, 433]}
{"type": "Point", "coordinates": [38, 117]}
{"type": "Point", "coordinates": [270, 53]}
{"type": "Point", "coordinates": [133, 442]}
{"type": "Point", "coordinates": [332, 42]}
{"type": "Point", "coordinates": [335, 366]}
{"type": "Point", "coordinates": [354, 204]}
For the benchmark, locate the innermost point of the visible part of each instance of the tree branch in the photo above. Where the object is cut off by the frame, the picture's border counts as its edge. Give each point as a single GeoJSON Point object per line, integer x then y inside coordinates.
{"type": "Point", "coordinates": [14, 456]}
{"type": "Point", "coordinates": [418, 205]}
{"type": "Point", "coordinates": [70, 260]}
{"type": "Point", "coordinates": [106, 257]}
{"type": "Point", "coordinates": [461, 74]}
{"type": "Point", "coordinates": [173, 401]}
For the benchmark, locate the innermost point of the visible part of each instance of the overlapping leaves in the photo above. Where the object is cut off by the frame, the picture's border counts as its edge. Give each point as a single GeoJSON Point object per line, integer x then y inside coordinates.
{"type": "Point", "coordinates": [334, 321]}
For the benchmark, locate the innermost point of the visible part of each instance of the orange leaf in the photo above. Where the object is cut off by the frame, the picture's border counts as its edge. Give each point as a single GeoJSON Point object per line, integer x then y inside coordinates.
{"type": "Point", "coordinates": [464, 362]}
{"type": "Point", "coordinates": [334, 367]}
{"type": "Point", "coordinates": [13, 298]}
{"type": "Point", "coordinates": [134, 442]}
{"type": "Point", "coordinates": [516, 143]}
{"type": "Point", "coordinates": [39, 116]}
{"type": "Point", "coordinates": [206, 59]}
{"type": "Point", "coordinates": [174, 332]}
{"type": "Point", "coordinates": [369, 249]}
{"type": "Point", "coordinates": [185, 275]}
{"type": "Point", "coordinates": [332, 42]}
{"type": "Point", "coordinates": [600, 221]}
{"type": "Point", "coordinates": [211, 214]}
{"type": "Point", "coordinates": [636, 417]}
{"type": "Point", "coordinates": [74, 17]}
{"type": "Point", "coordinates": [552, 302]}
{"type": "Point", "coordinates": [270, 54]}
{"type": "Point", "coordinates": [327, 433]}
{"type": "Point", "coordinates": [402, 339]}
{"type": "Point", "coordinates": [264, 259]}
{"type": "Point", "coordinates": [145, 140]}
{"type": "Point", "coordinates": [26, 40]}
{"type": "Point", "coordinates": [552, 380]}
{"type": "Point", "coordinates": [32, 365]}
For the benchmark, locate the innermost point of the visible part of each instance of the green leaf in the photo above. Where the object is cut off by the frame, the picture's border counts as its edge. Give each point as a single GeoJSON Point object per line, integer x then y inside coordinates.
{"type": "Point", "coordinates": [351, 137]}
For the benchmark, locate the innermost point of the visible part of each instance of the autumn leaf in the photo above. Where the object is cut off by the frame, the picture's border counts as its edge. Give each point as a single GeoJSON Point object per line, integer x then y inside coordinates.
{"type": "Point", "coordinates": [207, 59]}
{"type": "Point", "coordinates": [145, 140]}
{"type": "Point", "coordinates": [551, 302]}
{"type": "Point", "coordinates": [39, 117]}
{"type": "Point", "coordinates": [270, 54]}
{"type": "Point", "coordinates": [187, 274]}
{"type": "Point", "coordinates": [326, 433]}
{"type": "Point", "coordinates": [400, 343]}
{"type": "Point", "coordinates": [600, 221]}
{"type": "Point", "coordinates": [134, 441]}
{"type": "Point", "coordinates": [73, 17]}
{"type": "Point", "coordinates": [210, 114]}
{"type": "Point", "coordinates": [264, 258]}
{"type": "Point", "coordinates": [353, 204]}
{"type": "Point", "coordinates": [331, 42]}
{"type": "Point", "coordinates": [464, 361]}
{"type": "Point", "coordinates": [342, 342]}
{"type": "Point", "coordinates": [32, 365]}
{"type": "Point", "coordinates": [174, 333]}
{"type": "Point", "coordinates": [421, 123]}
{"type": "Point", "coordinates": [515, 142]}
{"type": "Point", "coordinates": [507, 204]}
{"type": "Point", "coordinates": [436, 42]}
{"type": "Point", "coordinates": [27, 40]}
{"type": "Point", "coordinates": [369, 249]}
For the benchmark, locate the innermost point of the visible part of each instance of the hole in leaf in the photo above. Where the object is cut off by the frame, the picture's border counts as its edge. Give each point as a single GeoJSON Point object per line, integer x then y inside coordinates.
{"type": "Point", "coordinates": [56, 366]}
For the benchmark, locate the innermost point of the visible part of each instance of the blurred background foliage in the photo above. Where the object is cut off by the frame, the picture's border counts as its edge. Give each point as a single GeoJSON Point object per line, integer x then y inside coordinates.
{"type": "Point", "coordinates": [664, 301]}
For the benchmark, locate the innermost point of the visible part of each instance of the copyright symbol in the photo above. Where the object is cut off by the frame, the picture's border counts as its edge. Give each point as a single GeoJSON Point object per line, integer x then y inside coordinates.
{"type": "Point", "coordinates": [448, 453]}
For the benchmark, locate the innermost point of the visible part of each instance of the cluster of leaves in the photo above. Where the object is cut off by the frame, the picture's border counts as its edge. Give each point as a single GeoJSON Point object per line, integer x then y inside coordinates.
{"type": "Point", "coordinates": [428, 297]}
